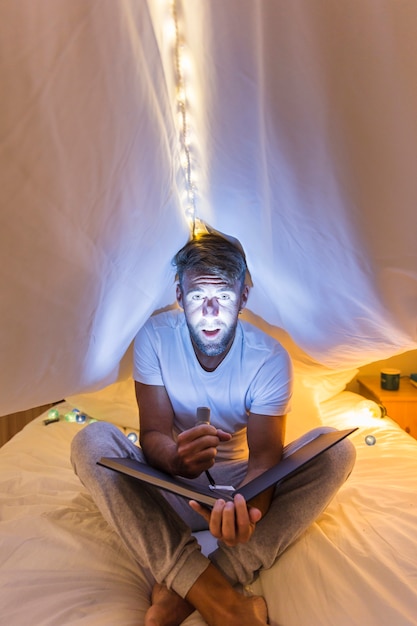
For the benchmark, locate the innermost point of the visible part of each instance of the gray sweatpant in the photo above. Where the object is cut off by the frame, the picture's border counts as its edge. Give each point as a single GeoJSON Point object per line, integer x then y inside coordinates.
{"type": "Point", "coordinates": [157, 528]}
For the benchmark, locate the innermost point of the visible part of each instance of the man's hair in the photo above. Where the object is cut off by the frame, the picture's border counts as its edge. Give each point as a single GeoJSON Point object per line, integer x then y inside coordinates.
{"type": "Point", "coordinates": [213, 255]}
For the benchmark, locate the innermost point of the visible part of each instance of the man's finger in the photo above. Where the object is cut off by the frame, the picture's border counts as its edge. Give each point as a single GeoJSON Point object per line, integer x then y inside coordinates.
{"type": "Point", "coordinates": [201, 510]}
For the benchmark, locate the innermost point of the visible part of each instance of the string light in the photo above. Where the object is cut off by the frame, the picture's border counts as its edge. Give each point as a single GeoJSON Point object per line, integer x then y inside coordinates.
{"type": "Point", "coordinates": [183, 68]}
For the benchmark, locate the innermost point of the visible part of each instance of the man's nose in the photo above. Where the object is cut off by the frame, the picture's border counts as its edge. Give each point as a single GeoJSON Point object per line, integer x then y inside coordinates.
{"type": "Point", "coordinates": [210, 306]}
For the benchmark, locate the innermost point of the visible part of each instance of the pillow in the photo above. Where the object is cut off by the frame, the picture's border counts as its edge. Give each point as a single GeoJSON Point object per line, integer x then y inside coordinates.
{"type": "Point", "coordinates": [327, 383]}
{"type": "Point", "coordinates": [116, 403]}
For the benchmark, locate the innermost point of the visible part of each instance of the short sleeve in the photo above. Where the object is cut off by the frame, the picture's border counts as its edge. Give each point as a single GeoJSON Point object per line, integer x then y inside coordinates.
{"type": "Point", "coordinates": [271, 388]}
{"type": "Point", "coordinates": [146, 363]}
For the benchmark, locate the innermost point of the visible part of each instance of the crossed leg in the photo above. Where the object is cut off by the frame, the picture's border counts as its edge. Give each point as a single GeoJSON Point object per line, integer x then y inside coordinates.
{"type": "Point", "coordinates": [213, 596]}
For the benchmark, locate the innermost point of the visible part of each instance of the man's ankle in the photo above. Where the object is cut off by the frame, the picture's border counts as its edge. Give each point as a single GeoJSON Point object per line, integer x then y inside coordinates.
{"type": "Point", "coordinates": [219, 603]}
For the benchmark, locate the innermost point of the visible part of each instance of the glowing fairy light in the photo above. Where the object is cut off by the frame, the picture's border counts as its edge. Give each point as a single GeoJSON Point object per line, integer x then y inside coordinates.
{"type": "Point", "coordinates": [186, 63]}
{"type": "Point", "coordinates": [181, 95]}
{"type": "Point", "coordinates": [170, 30]}
{"type": "Point", "coordinates": [183, 160]}
{"type": "Point", "coordinates": [183, 69]}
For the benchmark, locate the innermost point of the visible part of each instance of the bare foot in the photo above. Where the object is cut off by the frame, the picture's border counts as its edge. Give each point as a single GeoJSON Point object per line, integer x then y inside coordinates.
{"type": "Point", "coordinates": [219, 603]}
{"type": "Point", "coordinates": [249, 612]}
{"type": "Point", "coordinates": [168, 608]}
{"type": "Point", "coordinates": [253, 611]}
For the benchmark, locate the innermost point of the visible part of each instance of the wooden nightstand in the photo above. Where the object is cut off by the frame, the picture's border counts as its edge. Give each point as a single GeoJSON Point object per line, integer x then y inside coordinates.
{"type": "Point", "coordinates": [401, 405]}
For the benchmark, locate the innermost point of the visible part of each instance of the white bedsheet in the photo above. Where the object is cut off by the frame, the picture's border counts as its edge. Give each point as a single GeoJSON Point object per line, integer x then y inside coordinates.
{"type": "Point", "coordinates": [60, 564]}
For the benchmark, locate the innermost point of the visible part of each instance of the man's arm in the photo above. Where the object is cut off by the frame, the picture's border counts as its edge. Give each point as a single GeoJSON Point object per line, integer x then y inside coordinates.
{"type": "Point", "coordinates": [156, 420]}
{"type": "Point", "coordinates": [195, 449]}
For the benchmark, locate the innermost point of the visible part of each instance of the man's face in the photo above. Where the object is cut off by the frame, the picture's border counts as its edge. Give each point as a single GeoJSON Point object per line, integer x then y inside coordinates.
{"type": "Point", "coordinates": [211, 307]}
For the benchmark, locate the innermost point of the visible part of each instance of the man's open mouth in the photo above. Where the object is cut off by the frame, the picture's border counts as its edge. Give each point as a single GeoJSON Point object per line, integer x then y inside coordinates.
{"type": "Point", "coordinates": [211, 333]}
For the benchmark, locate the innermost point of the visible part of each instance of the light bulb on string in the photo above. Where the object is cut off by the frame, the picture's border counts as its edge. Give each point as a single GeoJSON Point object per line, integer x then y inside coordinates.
{"type": "Point", "coordinates": [181, 94]}
{"type": "Point", "coordinates": [169, 31]}
{"type": "Point", "coordinates": [183, 159]}
{"type": "Point", "coordinates": [187, 69]}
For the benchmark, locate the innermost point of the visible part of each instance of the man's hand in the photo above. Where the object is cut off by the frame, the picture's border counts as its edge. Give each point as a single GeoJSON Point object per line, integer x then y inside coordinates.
{"type": "Point", "coordinates": [231, 522]}
{"type": "Point", "coordinates": [197, 449]}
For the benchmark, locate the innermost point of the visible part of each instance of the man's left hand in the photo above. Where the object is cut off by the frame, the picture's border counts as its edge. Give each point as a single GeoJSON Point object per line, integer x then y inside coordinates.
{"type": "Point", "coordinates": [231, 522]}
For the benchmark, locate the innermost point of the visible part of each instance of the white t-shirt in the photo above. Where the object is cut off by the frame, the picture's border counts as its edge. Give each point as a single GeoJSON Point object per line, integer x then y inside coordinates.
{"type": "Point", "coordinates": [255, 376]}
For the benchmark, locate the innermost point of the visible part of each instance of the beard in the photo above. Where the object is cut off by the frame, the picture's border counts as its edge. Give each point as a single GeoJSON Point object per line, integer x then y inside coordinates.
{"type": "Point", "coordinates": [213, 348]}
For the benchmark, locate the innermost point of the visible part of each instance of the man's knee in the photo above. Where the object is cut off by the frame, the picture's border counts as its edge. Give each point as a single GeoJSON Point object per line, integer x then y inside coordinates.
{"type": "Point", "coordinates": [93, 442]}
{"type": "Point", "coordinates": [340, 460]}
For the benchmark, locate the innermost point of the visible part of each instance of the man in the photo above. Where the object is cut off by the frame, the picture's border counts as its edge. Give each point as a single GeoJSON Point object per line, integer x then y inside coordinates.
{"type": "Point", "coordinates": [203, 355]}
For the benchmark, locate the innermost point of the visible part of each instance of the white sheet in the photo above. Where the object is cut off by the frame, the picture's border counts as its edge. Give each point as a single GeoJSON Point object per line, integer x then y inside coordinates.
{"type": "Point", "coordinates": [302, 143]}
{"type": "Point", "coordinates": [60, 564]}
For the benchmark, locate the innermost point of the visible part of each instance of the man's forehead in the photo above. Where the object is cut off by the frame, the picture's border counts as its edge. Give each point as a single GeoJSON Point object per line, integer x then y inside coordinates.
{"type": "Point", "coordinates": [196, 280]}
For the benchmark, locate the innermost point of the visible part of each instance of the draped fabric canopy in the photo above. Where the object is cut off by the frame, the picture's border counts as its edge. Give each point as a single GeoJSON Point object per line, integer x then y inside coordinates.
{"type": "Point", "coordinates": [301, 142]}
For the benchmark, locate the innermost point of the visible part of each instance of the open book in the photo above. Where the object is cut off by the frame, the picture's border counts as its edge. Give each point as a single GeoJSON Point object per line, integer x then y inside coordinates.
{"type": "Point", "coordinates": [208, 495]}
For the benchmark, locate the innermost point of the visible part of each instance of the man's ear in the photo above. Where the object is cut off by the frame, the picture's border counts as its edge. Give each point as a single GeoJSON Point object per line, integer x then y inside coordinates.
{"type": "Point", "coordinates": [178, 293]}
{"type": "Point", "coordinates": [244, 296]}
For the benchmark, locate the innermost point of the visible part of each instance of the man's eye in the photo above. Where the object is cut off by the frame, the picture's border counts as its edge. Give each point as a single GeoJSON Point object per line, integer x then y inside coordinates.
{"type": "Point", "coordinates": [224, 296]}
{"type": "Point", "coordinates": [197, 296]}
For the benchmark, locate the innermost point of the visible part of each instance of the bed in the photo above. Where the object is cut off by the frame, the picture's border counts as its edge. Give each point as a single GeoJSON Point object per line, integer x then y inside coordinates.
{"type": "Point", "coordinates": [61, 564]}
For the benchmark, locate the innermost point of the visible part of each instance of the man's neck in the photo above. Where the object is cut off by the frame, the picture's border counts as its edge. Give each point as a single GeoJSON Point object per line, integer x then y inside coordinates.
{"type": "Point", "coordinates": [210, 363]}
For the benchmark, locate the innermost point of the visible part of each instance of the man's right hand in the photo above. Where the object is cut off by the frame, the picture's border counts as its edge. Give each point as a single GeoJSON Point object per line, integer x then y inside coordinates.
{"type": "Point", "coordinates": [231, 522]}
{"type": "Point", "coordinates": [197, 449]}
